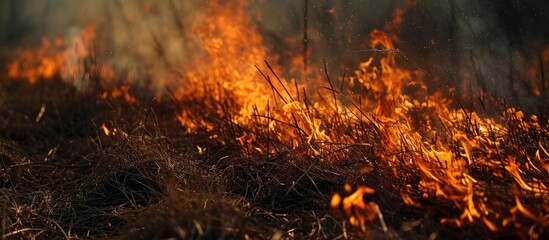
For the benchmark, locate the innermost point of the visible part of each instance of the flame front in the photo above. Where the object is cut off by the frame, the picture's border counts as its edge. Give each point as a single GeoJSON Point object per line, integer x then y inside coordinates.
{"type": "Point", "coordinates": [434, 148]}
{"type": "Point", "coordinates": [428, 147]}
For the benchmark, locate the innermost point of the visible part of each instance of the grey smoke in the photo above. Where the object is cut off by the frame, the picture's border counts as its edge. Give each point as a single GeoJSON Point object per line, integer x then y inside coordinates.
{"type": "Point", "coordinates": [472, 45]}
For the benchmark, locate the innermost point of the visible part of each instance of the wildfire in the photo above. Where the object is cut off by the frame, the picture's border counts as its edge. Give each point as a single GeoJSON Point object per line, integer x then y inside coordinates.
{"type": "Point", "coordinates": [448, 148]}
{"type": "Point", "coordinates": [41, 64]}
{"type": "Point", "coordinates": [429, 146]}
{"type": "Point", "coordinates": [75, 62]}
{"type": "Point", "coordinates": [231, 47]}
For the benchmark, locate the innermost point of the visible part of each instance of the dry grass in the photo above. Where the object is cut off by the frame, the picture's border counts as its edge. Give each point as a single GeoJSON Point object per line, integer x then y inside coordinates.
{"type": "Point", "coordinates": [62, 177]}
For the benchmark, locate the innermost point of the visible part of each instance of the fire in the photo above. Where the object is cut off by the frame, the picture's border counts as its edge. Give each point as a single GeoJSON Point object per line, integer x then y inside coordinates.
{"type": "Point", "coordinates": [121, 92]}
{"type": "Point", "coordinates": [105, 129]}
{"type": "Point", "coordinates": [359, 212]}
{"type": "Point", "coordinates": [431, 147]}
{"type": "Point", "coordinates": [445, 157]}
{"type": "Point", "coordinates": [63, 58]}
{"type": "Point", "coordinates": [113, 132]}
{"type": "Point", "coordinates": [226, 65]}
{"type": "Point", "coordinates": [419, 132]}
{"type": "Point", "coordinates": [34, 65]}
{"type": "Point", "coordinates": [228, 72]}
{"type": "Point", "coordinates": [74, 61]}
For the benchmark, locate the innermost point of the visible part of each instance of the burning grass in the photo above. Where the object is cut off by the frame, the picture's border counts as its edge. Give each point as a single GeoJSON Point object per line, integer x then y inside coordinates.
{"type": "Point", "coordinates": [64, 177]}
{"type": "Point", "coordinates": [238, 150]}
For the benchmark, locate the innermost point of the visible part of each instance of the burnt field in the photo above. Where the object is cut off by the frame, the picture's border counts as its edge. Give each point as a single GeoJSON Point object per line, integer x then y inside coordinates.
{"type": "Point", "coordinates": [250, 134]}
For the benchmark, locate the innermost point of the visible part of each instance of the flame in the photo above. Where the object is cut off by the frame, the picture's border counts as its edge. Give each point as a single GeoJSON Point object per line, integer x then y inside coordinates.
{"type": "Point", "coordinates": [74, 61]}
{"type": "Point", "coordinates": [417, 128]}
{"type": "Point", "coordinates": [34, 65]}
{"type": "Point", "coordinates": [227, 63]}
{"type": "Point", "coordinates": [105, 129]}
{"type": "Point", "coordinates": [542, 220]}
{"type": "Point", "coordinates": [113, 132]}
{"type": "Point", "coordinates": [122, 92]}
{"type": "Point", "coordinates": [434, 148]}
{"type": "Point", "coordinates": [443, 156]}
{"type": "Point", "coordinates": [228, 68]}
{"type": "Point", "coordinates": [359, 212]}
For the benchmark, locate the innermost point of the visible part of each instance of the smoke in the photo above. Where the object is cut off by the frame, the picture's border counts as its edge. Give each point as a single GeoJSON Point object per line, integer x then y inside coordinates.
{"type": "Point", "coordinates": [335, 29]}
{"type": "Point", "coordinates": [134, 36]}
{"type": "Point", "coordinates": [482, 47]}
{"type": "Point", "coordinates": [490, 46]}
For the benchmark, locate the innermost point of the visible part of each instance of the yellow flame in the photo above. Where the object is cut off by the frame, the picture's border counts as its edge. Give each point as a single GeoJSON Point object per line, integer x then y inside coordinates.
{"type": "Point", "coordinates": [105, 129]}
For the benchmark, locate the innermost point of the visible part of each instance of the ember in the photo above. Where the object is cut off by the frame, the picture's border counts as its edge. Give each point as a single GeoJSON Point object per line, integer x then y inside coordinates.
{"type": "Point", "coordinates": [247, 134]}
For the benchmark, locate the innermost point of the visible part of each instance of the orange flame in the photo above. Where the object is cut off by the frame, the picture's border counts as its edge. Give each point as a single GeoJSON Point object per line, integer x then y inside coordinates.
{"type": "Point", "coordinates": [359, 212]}
{"type": "Point", "coordinates": [418, 132]}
